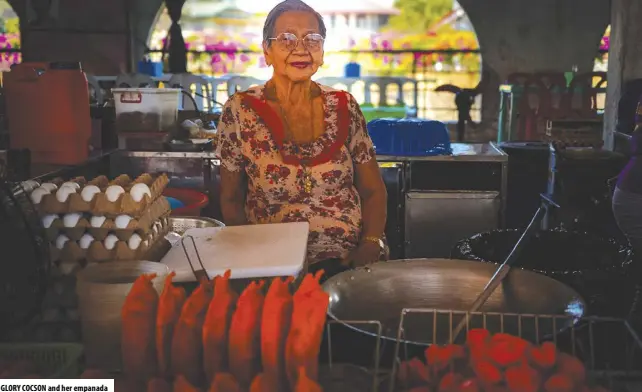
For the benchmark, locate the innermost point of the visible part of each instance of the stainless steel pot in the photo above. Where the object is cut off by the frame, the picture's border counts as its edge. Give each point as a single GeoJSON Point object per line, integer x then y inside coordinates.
{"type": "Point", "coordinates": [381, 291]}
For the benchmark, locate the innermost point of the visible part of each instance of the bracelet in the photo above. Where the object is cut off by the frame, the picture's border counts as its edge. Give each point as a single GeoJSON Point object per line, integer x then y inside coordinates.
{"type": "Point", "coordinates": [373, 239]}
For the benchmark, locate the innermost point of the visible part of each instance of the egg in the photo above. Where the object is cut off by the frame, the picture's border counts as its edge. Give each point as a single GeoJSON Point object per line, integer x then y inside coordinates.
{"type": "Point", "coordinates": [29, 185]}
{"type": "Point", "coordinates": [97, 221]}
{"type": "Point", "coordinates": [139, 190]}
{"type": "Point", "coordinates": [71, 220]}
{"type": "Point", "coordinates": [69, 267]}
{"type": "Point", "coordinates": [63, 193]}
{"type": "Point", "coordinates": [71, 184]}
{"type": "Point", "coordinates": [85, 241]}
{"type": "Point", "coordinates": [110, 242]}
{"type": "Point", "coordinates": [89, 192]}
{"type": "Point", "coordinates": [122, 221]}
{"type": "Point", "coordinates": [113, 192]}
{"type": "Point", "coordinates": [48, 220]}
{"type": "Point", "coordinates": [37, 194]}
{"type": "Point", "coordinates": [50, 186]}
{"type": "Point", "coordinates": [134, 241]}
{"type": "Point", "coordinates": [61, 241]}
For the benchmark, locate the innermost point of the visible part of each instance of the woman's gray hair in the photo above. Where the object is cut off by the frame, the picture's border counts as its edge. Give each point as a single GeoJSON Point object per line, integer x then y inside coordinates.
{"type": "Point", "coordinates": [288, 6]}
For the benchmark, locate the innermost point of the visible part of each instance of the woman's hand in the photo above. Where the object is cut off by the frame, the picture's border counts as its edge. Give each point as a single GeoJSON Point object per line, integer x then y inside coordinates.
{"type": "Point", "coordinates": [365, 253]}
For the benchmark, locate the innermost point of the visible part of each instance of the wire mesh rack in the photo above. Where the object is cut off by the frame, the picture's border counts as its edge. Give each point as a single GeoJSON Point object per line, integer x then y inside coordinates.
{"type": "Point", "coordinates": [609, 347]}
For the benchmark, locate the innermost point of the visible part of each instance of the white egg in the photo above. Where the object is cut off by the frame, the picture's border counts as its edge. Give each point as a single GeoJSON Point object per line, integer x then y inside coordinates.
{"type": "Point", "coordinates": [71, 184]}
{"type": "Point", "coordinates": [61, 241]}
{"type": "Point", "coordinates": [29, 185]}
{"type": "Point", "coordinates": [110, 242]}
{"type": "Point", "coordinates": [122, 221]}
{"type": "Point", "coordinates": [50, 186]}
{"type": "Point", "coordinates": [48, 220]}
{"type": "Point", "coordinates": [63, 193]}
{"type": "Point", "coordinates": [97, 221]}
{"type": "Point", "coordinates": [89, 192]}
{"type": "Point", "coordinates": [139, 190]}
{"type": "Point", "coordinates": [85, 241]}
{"type": "Point", "coordinates": [113, 192]}
{"type": "Point", "coordinates": [71, 220]}
{"type": "Point", "coordinates": [134, 241]}
{"type": "Point", "coordinates": [37, 194]}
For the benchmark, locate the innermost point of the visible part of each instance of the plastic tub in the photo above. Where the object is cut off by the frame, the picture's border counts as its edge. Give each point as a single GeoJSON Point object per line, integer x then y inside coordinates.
{"type": "Point", "coordinates": [102, 289]}
{"type": "Point", "coordinates": [409, 137]}
{"type": "Point", "coordinates": [192, 200]}
{"type": "Point", "coordinates": [146, 109]}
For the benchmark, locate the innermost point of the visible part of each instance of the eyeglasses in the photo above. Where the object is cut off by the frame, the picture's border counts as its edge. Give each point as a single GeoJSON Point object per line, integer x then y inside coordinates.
{"type": "Point", "coordinates": [289, 41]}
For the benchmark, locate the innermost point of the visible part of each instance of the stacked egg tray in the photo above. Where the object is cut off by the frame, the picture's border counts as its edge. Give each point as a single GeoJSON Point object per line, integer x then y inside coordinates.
{"type": "Point", "coordinates": [86, 222]}
{"type": "Point", "coordinates": [101, 220]}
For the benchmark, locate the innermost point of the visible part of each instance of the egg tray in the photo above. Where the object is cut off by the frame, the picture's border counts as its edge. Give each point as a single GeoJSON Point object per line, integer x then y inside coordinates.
{"type": "Point", "coordinates": [143, 225]}
{"type": "Point", "coordinates": [100, 205]}
{"type": "Point", "coordinates": [72, 257]}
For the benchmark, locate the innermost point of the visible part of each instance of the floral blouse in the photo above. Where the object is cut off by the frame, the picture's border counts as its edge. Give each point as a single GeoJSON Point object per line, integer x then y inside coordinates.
{"type": "Point", "coordinates": [276, 192]}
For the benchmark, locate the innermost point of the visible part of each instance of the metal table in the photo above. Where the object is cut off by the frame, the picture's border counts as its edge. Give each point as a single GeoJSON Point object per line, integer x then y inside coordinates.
{"type": "Point", "coordinates": [443, 199]}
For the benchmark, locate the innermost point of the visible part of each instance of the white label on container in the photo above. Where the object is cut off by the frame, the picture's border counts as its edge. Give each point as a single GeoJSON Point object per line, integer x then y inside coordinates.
{"type": "Point", "coordinates": [131, 97]}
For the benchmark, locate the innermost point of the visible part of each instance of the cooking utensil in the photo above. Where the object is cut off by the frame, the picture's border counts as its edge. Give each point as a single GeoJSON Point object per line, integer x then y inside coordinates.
{"type": "Point", "coordinates": [503, 270]}
{"type": "Point", "coordinates": [382, 290]}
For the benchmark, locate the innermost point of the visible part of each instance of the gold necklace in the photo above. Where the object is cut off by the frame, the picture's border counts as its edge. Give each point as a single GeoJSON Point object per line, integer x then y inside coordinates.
{"type": "Point", "coordinates": [307, 173]}
{"type": "Point", "coordinates": [315, 91]}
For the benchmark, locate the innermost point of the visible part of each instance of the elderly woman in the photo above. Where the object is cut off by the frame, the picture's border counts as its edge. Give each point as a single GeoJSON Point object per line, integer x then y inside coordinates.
{"type": "Point", "coordinates": [293, 150]}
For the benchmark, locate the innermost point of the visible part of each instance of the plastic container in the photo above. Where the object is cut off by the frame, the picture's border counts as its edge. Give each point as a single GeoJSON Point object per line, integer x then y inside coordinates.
{"type": "Point", "coordinates": [409, 137]}
{"type": "Point", "coordinates": [150, 68]}
{"type": "Point", "coordinates": [102, 289]}
{"type": "Point", "coordinates": [146, 109]}
{"type": "Point", "coordinates": [48, 111]}
{"type": "Point", "coordinates": [597, 268]}
{"type": "Point", "coordinates": [352, 70]}
{"type": "Point", "coordinates": [193, 201]}
{"type": "Point", "coordinates": [52, 360]}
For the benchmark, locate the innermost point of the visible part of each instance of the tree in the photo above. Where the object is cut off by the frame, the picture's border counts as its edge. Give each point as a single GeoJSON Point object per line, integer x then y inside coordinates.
{"type": "Point", "coordinates": [418, 16]}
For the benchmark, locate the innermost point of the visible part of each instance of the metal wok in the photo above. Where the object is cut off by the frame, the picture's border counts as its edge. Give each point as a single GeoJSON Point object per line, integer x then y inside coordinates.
{"type": "Point", "coordinates": [381, 291]}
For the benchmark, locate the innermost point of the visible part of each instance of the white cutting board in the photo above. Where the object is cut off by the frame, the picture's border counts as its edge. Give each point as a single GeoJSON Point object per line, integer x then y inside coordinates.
{"type": "Point", "coordinates": [253, 251]}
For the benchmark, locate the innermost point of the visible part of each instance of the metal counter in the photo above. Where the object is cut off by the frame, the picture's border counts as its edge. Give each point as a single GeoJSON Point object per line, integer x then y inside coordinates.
{"type": "Point", "coordinates": [433, 202]}
{"type": "Point", "coordinates": [447, 198]}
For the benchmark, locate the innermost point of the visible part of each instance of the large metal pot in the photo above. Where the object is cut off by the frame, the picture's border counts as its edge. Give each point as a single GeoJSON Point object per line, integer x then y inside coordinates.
{"type": "Point", "coordinates": [381, 291]}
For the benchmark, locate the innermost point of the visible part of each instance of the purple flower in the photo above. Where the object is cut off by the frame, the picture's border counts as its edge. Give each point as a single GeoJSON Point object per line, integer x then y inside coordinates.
{"type": "Point", "coordinates": [216, 58]}
{"type": "Point", "coordinates": [386, 45]}
{"type": "Point", "coordinates": [606, 43]}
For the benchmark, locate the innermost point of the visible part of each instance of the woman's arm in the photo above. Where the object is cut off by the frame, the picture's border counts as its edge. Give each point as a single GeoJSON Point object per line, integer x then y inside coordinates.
{"type": "Point", "coordinates": [373, 195]}
{"type": "Point", "coordinates": [233, 186]}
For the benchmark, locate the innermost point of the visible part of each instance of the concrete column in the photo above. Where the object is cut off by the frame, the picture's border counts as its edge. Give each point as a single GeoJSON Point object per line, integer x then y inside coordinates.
{"type": "Point", "coordinates": [625, 57]}
{"type": "Point", "coordinates": [93, 32]}
{"type": "Point", "coordinates": [531, 36]}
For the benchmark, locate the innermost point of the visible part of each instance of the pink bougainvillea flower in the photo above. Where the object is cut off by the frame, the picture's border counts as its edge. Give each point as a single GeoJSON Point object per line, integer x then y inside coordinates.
{"type": "Point", "coordinates": [216, 58]}
{"type": "Point", "coordinates": [244, 58]}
